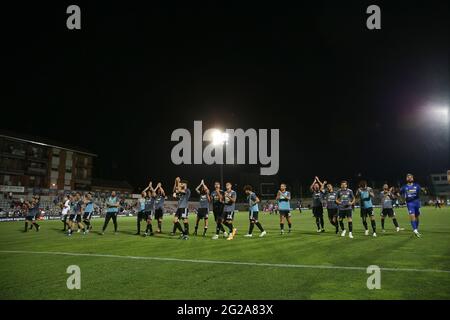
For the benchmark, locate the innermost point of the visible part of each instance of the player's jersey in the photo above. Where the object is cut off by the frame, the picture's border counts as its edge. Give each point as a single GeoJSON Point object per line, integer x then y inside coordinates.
{"type": "Point", "coordinates": [387, 200]}
{"type": "Point", "coordinates": [317, 198]}
{"type": "Point", "coordinates": [345, 196]}
{"type": "Point", "coordinates": [159, 202]}
{"type": "Point", "coordinates": [252, 205]}
{"type": "Point", "coordinates": [141, 204]}
{"type": "Point", "coordinates": [229, 205]}
{"type": "Point", "coordinates": [89, 207]}
{"type": "Point", "coordinates": [149, 204]}
{"type": "Point", "coordinates": [34, 210]}
{"type": "Point", "coordinates": [203, 201]}
{"type": "Point", "coordinates": [411, 192]}
{"type": "Point", "coordinates": [330, 198]}
{"type": "Point", "coordinates": [77, 207]}
{"type": "Point", "coordinates": [112, 201]}
{"type": "Point", "coordinates": [66, 207]}
{"type": "Point", "coordinates": [216, 198]}
{"type": "Point", "coordinates": [366, 199]}
{"type": "Point", "coordinates": [283, 201]}
{"type": "Point", "coordinates": [183, 199]}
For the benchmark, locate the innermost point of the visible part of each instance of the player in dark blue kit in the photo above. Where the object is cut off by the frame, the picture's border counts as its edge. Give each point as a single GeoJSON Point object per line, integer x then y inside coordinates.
{"type": "Point", "coordinates": [317, 206]}
{"type": "Point", "coordinates": [217, 197]}
{"type": "Point", "coordinates": [330, 197]}
{"type": "Point", "coordinates": [345, 200]}
{"type": "Point", "coordinates": [182, 194]}
{"type": "Point", "coordinates": [33, 212]}
{"type": "Point", "coordinates": [203, 210]}
{"type": "Point", "coordinates": [149, 210]}
{"type": "Point", "coordinates": [411, 192]}
{"type": "Point", "coordinates": [159, 205]}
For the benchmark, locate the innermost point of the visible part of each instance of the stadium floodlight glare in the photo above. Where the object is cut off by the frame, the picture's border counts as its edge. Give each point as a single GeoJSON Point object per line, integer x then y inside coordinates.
{"type": "Point", "coordinates": [439, 114]}
{"type": "Point", "coordinates": [219, 138]}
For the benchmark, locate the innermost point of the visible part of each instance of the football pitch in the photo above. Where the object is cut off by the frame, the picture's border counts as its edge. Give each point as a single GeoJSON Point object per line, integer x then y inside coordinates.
{"type": "Point", "coordinates": [299, 265]}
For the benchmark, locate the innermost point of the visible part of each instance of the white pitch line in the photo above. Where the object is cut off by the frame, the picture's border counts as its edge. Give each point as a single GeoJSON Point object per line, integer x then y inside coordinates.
{"type": "Point", "coordinates": [238, 263]}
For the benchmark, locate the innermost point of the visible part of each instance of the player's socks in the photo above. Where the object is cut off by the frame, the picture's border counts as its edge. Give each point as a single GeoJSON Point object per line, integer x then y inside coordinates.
{"type": "Point", "coordinates": [350, 226]}
{"type": "Point", "coordinates": [138, 227]}
{"type": "Point", "coordinates": [186, 228]}
{"type": "Point", "coordinates": [382, 223]}
{"type": "Point", "coordinates": [374, 226]}
{"type": "Point", "coordinates": [260, 227]}
{"type": "Point", "coordinates": [205, 230]}
{"type": "Point", "coordinates": [417, 223]}
{"type": "Point", "coordinates": [174, 228]}
{"type": "Point", "coordinates": [159, 226]}
{"type": "Point", "coordinates": [341, 224]}
{"type": "Point", "coordinates": [250, 229]}
{"type": "Point", "coordinates": [321, 222]}
{"type": "Point", "coordinates": [281, 226]}
{"type": "Point", "coordinates": [395, 223]}
{"type": "Point", "coordinates": [336, 224]}
{"type": "Point", "coordinates": [230, 226]}
{"type": "Point", "coordinates": [115, 226]}
{"type": "Point", "coordinates": [413, 225]}
{"type": "Point", "coordinates": [365, 224]}
{"type": "Point", "coordinates": [149, 229]}
{"type": "Point", "coordinates": [26, 226]}
{"type": "Point", "coordinates": [217, 229]}
{"type": "Point", "coordinates": [318, 223]}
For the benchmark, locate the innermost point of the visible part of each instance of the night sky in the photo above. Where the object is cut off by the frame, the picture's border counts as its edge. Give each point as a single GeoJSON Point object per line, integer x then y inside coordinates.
{"type": "Point", "coordinates": [347, 100]}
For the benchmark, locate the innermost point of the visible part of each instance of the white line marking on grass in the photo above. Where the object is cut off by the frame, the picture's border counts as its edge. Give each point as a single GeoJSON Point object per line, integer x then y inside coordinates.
{"type": "Point", "coordinates": [237, 263]}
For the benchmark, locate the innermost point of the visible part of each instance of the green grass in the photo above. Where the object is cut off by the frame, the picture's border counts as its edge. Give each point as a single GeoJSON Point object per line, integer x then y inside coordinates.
{"type": "Point", "coordinates": [43, 276]}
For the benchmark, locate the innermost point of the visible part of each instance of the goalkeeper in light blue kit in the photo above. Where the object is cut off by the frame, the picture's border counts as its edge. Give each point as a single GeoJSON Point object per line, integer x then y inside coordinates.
{"type": "Point", "coordinates": [253, 212]}
{"type": "Point", "coordinates": [411, 192]}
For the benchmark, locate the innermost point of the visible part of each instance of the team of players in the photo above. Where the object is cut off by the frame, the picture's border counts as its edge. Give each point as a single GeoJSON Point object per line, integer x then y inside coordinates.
{"type": "Point", "coordinates": [77, 209]}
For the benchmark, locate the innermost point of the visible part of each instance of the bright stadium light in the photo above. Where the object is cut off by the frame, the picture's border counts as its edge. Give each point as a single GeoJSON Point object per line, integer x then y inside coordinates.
{"type": "Point", "coordinates": [438, 114]}
{"type": "Point", "coordinates": [219, 138]}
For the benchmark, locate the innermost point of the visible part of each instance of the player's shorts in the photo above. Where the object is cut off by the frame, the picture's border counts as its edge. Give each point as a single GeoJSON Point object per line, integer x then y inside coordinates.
{"type": "Point", "coordinates": [182, 213]}
{"type": "Point", "coordinates": [218, 213]}
{"type": "Point", "coordinates": [29, 218]}
{"type": "Point", "coordinates": [388, 212]}
{"type": "Point", "coordinates": [72, 217]}
{"type": "Point", "coordinates": [285, 213]}
{"type": "Point", "coordinates": [347, 213]}
{"type": "Point", "coordinates": [332, 212]}
{"type": "Point", "coordinates": [64, 217]}
{"type": "Point", "coordinates": [253, 215]}
{"type": "Point", "coordinates": [159, 213]}
{"type": "Point", "coordinates": [202, 213]}
{"type": "Point", "coordinates": [87, 215]}
{"type": "Point", "coordinates": [366, 212]}
{"type": "Point", "coordinates": [228, 215]}
{"type": "Point", "coordinates": [148, 215]}
{"type": "Point", "coordinates": [317, 211]}
{"type": "Point", "coordinates": [413, 208]}
{"type": "Point", "coordinates": [78, 217]}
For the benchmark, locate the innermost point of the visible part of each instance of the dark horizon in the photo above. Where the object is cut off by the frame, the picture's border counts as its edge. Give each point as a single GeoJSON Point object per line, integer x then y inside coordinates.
{"type": "Point", "coordinates": [349, 102]}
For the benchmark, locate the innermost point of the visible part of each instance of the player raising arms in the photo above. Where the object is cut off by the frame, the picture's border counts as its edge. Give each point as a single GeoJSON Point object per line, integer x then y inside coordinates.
{"type": "Point", "coordinates": [202, 212]}
{"type": "Point", "coordinates": [387, 208]}
{"type": "Point", "coordinates": [159, 205]}
{"type": "Point", "coordinates": [32, 213]}
{"type": "Point", "coordinates": [345, 199]}
{"type": "Point", "coordinates": [112, 209]}
{"type": "Point", "coordinates": [411, 192]}
{"type": "Point", "coordinates": [230, 204]}
{"type": "Point", "coordinates": [141, 210]}
{"type": "Point", "coordinates": [253, 211]}
{"type": "Point", "coordinates": [366, 195]}
{"type": "Point", "coordinates": [317, 206]}
{"type": "Point", "coordinates": [330, 197]}
{"type": "Point", "coordinates": [182, 194]}
{"type": "Point", "coordinates": [88, 209]}
{"type": "Point", "coordinates": [217, 197]}
{"type": "Point", "coordinates": [283, 198]}
{"type": "Point", "coordinates": [149, 209]}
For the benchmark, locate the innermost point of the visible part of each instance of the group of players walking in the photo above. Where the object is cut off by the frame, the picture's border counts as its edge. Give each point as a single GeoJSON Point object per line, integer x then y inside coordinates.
{"type": "Point", "coordinates": [77, 209]}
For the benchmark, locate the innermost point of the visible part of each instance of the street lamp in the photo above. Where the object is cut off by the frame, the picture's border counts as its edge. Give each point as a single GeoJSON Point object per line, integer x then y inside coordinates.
{"type": "Point", "coordinates": [220, 138]}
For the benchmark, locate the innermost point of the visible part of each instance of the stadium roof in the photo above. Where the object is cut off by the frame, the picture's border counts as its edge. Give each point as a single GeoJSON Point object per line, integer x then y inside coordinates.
{"type": "Point", "coordinates": [44, 142]}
